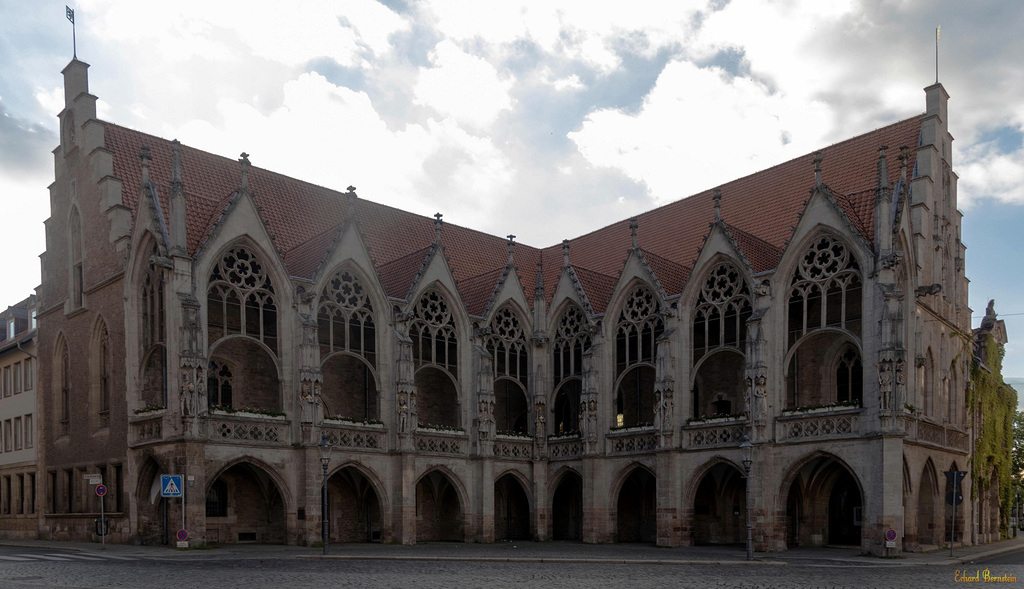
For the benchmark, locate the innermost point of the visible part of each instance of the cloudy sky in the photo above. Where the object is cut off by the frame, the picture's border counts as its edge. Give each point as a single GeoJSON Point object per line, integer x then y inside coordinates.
{"type": "Point", "coordinates": [544, 119]}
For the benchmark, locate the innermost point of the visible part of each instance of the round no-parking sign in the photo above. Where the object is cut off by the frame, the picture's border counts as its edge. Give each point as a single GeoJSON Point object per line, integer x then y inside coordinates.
{"type": "Point", "coordinates": [890, 535]}
{"type": "Point", "coordinates": [101, 490]}
{"type": "Point", "coordinates": [182, 535]}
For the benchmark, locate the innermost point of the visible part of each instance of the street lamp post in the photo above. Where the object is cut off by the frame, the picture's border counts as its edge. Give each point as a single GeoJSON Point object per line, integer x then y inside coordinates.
{"type": "Point", "coordinates": [325, 461]}
{"type": "Point", "coordinates": [746, 448]}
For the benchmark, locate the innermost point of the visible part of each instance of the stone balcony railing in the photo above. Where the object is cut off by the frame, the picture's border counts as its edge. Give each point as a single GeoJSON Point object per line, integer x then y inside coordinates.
{"type": "Point", "coordinates": [633, 440]}
{"type": "Point", "coordinates": [147, 427]}
{"type": "Point", "coordinates": [565, 447]}
{"type": "Point", "coordinates": [247, 427]}
{"type": "Point", "coordinates": [928, 432]}
{"type": "Point", "coordinates": [718, 432]}
{"type": "Point", "coordinates": [513, 447]}
{"type": "Point", "coordinates": [435, 441]}
{"type": "Point", "coordinates": [371, 437]}
{"type": "Point", "coordinates": [816, 424]}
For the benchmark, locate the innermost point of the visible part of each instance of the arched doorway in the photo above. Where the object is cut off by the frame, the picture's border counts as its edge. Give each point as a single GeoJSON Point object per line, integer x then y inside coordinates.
{"type": "Point", "coordinates": [244, 505]}
{"type": "Point", "coordinates": [438, 510]}
{"type": "Point", "coordinates": [824, 503]}
{"type": "Point", "coordinates": [354, 507]}
{"type": "Point", "coordinates": [719, 507]}
{"type": "Point", "coordinates": [153, 510]}
{"type": "Point", "coordinates": [567, 508]}
{"type": "Point", "coordinates": [511, 510]}
{"type": "Point", "coordinates": [928, 508]}
{"type": "Point", "coordinates": [636, 508]}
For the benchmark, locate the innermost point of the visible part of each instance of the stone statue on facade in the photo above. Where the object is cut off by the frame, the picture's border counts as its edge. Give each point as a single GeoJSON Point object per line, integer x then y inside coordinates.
{"type": "Point", "coordinates": [403, 413]}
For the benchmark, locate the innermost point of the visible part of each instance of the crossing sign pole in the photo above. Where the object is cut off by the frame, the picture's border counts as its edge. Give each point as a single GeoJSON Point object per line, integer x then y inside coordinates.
{"type": "Point", "coordinates": [171, 485]}
{"type": "Point", "coordinates": [101, 491]}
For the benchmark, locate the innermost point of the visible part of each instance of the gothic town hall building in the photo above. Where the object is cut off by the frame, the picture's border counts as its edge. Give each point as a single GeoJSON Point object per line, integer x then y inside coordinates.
{"type": "Point", "coordinates": [204, 317]}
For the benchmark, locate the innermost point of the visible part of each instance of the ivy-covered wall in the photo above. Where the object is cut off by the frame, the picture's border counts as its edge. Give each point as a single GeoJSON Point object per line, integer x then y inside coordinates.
{"type": "Point", "coordinates": [995, 403]}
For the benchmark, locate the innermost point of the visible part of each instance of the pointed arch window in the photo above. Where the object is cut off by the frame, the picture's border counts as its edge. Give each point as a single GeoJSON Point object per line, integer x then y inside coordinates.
{"type": "Point", "coordinates": [104, 377]}
{"type": "Point", "coordinates": [241, 299]}
{"type": "Point", "coordinates": [849, 377]}
{"type": "Point", "coordinates": [639, 326]}
{"type": "Point", "coordinates": [434, 339]}
{"type": "Point", "coordinates": [345, 318]}
{"type": "Point", "coordinates": [723, 309]}
{"type": "Point", "coordinates": [152, 325]}
{"type": "Point", "coordinates": [825, 290]}
{"type": "Point", "coordinates": [218, 385]}
{"type": "Point", "coordinates": [570, 342]}
{"type": "Point", "coordinates": [507, 346]}
{"type": "Point", "coordinates": [638, 329]}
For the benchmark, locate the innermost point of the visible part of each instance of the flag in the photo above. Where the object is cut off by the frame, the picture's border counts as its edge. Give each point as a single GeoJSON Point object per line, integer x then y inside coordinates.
{"type": "Point", "coordinates": [71, 14]}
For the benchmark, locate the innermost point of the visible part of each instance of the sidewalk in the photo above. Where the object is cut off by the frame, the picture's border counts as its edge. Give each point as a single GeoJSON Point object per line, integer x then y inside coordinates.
{"type": "Point", "coordinates": [547, 552]}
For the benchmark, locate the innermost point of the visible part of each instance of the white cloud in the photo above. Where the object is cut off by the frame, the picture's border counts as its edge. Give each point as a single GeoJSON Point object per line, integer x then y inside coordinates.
{"type": "Point", "coordinates": [698, 128]}
{"type": "Point", "coordinates": [462, 86]}
{"type": "Point", "coordinates": [985, 172]}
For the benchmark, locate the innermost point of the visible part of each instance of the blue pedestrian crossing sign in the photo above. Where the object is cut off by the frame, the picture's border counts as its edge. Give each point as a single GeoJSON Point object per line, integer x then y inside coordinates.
{"type": "Point", "coordinates": [170, 485]}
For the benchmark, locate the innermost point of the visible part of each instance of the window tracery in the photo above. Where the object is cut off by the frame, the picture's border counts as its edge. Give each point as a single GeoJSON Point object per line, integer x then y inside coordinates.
{"type": "Point", "coordinates": [241, 299]}
{"type": "Point", "coordinates": [433, 333]}
{"type": "Point", "coordinates": [345, 318]}
{"type": "Point", "coordinates": [637, 332]}
{"type": "Point", "coordinates": [218, 384]}
{"type": "Point", "coordinates": [723, 308]}
{"type": "Point", "coordinates": [825, 291]}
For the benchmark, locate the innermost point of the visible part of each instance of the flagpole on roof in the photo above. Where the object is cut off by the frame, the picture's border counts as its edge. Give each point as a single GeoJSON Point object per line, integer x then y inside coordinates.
{"type": "Point", "coordinates": [74, 41]}
{"type": "Point", "coordinates": [938, 32]}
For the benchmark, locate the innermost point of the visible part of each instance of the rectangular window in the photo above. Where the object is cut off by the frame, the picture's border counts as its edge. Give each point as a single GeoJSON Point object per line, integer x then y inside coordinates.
{"type": "Point", "coordinates": [10, 327]}
{"type": "Point", "coordinates": [33, 319]}
{"type": "Point", "coordinates": [7, 381]}
{"type": "Point", "coordinates": [31, 494]}
{"type": "Point", "coordinates": [52, 493]}
{"type": "Point", "coordinates": [20, 500]}
{"type": "Point", "coordinates": [27, 377]}
{"type": "Point", "coordinates": [17, 433]}
{"type": "Point", "coordinates": [7, 495]}
{"type": "Point", "coordinates": [69, 485]}
{"type": "Point", "coordinates": [7, 435]}
{"type": "Point", "coordinates": [30, 435]}
{"type": "Point", "coordinates": [77, 276]}
{"type": "Point", "coordinates": [17, 377]}
{"type": "Point", "coordinates": [118, 481]}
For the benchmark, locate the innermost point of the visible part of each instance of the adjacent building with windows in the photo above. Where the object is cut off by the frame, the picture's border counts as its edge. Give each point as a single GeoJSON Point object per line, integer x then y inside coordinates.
{"type": "Point", "coordinates": [19, 507]}
{"type": "Point", "coordinates": [204, 317]}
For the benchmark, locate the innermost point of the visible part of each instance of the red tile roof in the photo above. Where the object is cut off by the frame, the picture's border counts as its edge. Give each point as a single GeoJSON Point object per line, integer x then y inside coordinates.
{"type": "Point", "coordinates": [761, 210]}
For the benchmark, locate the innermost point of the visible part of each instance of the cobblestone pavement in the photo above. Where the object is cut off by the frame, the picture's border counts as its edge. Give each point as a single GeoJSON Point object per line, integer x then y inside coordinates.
{"type": "Point", "coordinates": [299, 574]}
{"type": "Point", "coordinates": [466, 566]}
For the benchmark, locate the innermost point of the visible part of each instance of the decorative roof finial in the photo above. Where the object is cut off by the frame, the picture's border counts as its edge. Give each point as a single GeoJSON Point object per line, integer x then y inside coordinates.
{"type": "Point", "coordinates": [244, 160]}
{"type": "Point", "coordinates": [538, 288]}
{"type": "Point", "coordinates": [175, 161]}
{"type": "Point", "coordinates": [145, 157]}
{"type": "Point", "coordinates": [883, 168]}
{"type": "Point", "coordinates": [511, 247]}
{"type": "Point", "coordinates": [817, 168]}
{"type": "Point", "coordinates": [351, 196]}
{"type": "Point", "coordinates": [437, 228]}
{"type": "Point", "coordinates": [904, 156]}
{"type": "Point", "coordinates": [633, 224]}
{"type": "Point", "coordinates": [565, 253]}
{"type": "Point", "coordinates": [717, 197]}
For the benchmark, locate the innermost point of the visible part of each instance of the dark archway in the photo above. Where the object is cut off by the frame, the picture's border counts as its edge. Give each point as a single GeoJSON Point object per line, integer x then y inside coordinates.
{"type": "Point", "coordinates": [438, 510]}
{"type": "Point", "coordinates": [355, 509]}
{"type": "Point", "coordinates": [719, 507]}
{"type": "Point", "coordinates": [636, 513]}
{"type": "Point", "coordinates": [844, 511]}
{"type": "Point", "coordinates": [823, 502]}
{"type": "Point", "coordinates": [437, 400]}
{"type": "Point", "coordinates": [718, 386]}
{"type": "Point", "coordinates": [244, 505]}
{"type": "Point", "coordinates": [567, 508]}
{"type": "Point", "coordinates": [928, 508]}
{"type": "Point", "coordinates": [634, 399]}
{"type": "Point", "coordinates": [349, 388]}
{"type": "Point", "coordinates": [153, 523]}
{"type": "Point", "coordinates": [511, 510]}
{"type": "Point", "coordinates": [510, 407]}
{"type": "Point", "coordinates": [243, 375]}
